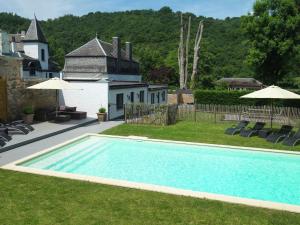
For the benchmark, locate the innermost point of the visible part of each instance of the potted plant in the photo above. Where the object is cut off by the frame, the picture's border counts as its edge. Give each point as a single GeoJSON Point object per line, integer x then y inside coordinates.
{"type": "Point", "coordinates": [102, 115]}
{"type": "Point", "coordinates": [28, 114]}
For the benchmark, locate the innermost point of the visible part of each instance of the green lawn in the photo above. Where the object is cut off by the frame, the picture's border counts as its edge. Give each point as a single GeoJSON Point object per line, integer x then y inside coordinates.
{"type": "Point", "coordinates": [204, 132]}
{"type": "Point", "coordinates": [31, 199]}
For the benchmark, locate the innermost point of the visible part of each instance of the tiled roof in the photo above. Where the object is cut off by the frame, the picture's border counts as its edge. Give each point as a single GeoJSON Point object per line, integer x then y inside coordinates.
{"type": "Point", "coordinates": [125, 84]}
{"type": "Point", "coordinates": [92, 48]}
{"type": "Point", "coordinates": [34, 32]}
{"type": "Point", "coordinates": [241, 82]}
{"type": "Point", "coordinates": [95, 47]}
{"type": "Point", "coordinates": [153, 87]}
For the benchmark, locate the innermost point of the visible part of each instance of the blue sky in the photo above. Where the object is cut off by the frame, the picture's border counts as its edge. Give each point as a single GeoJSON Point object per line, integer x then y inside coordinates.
{"type": "Point", "coordinates": [45, 9]}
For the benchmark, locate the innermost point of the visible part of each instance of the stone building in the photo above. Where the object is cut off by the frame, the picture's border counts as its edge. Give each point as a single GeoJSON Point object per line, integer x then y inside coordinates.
{"type": "Point", "coordinates": [33, 49]}
{"type": "Point", "coordinates": [13, 93]}
{"type": "Point", "coordinates": [109, 77]}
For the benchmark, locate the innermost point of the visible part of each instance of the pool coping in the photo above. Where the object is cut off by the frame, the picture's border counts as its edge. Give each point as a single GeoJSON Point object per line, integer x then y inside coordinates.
{"type": "Point", "coordinates": [150, 187]}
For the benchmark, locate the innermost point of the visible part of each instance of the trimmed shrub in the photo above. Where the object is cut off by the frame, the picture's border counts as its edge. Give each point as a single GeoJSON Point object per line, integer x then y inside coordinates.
{"type": "Point", "coordinates": [225, 97]}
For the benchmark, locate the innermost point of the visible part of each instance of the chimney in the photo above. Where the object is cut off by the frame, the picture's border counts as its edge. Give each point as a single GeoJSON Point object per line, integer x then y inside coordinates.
{"type": "Point", "coordinates": [13, 45]}
{"type": "Point", "coordinates": [23, 33]}
{"type": "Point", "coordinates": [116, 51]}
{"type": "Point", "coordinates": [4, 43]}
{"type": "Point", "coordinates": [128, 51]}
{"type": "Point", "coordinates": [116, 45]}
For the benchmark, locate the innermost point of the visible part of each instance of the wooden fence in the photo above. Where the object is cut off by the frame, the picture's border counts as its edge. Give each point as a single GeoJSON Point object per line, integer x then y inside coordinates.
{"type": "Point", "coordinates": [150, 114]}
{"type": "Point", "coordinates": [200, 112]}
{"type": "Point", "coordinates": [169, 114]}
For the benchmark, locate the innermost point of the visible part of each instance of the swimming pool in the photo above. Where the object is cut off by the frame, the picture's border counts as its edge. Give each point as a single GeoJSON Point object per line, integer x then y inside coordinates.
{"type": "Point", "coordinates": [219, 171]}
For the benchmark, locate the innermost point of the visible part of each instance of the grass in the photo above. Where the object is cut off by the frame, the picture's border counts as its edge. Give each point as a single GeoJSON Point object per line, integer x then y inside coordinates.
{"type": "Point", "coordinates": [32, 199]}
{"type": "Point", "coordinates": [203, 132]}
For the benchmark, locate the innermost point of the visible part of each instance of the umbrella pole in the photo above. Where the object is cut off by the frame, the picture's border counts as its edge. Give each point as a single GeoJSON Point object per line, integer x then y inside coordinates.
{"type": "Point", "coordinates": [57, 102]}
{"type": "Point", "coordinates": [271, 113]}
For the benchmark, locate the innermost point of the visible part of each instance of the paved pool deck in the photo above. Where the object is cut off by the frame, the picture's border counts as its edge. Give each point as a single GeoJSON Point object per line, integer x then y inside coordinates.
{"type": "Point", "coordinates": [39, 145]}
{"type": "Point", "coordinates": [44, 130]}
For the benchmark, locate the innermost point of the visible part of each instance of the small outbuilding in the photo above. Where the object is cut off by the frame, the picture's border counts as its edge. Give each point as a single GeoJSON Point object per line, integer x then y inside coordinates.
{"type": "Point", "coordinates": [241, 83]}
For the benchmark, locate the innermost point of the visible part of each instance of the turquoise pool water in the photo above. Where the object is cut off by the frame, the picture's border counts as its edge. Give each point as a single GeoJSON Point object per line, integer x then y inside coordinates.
{"type": "Point", "coordinates": [241, 173]}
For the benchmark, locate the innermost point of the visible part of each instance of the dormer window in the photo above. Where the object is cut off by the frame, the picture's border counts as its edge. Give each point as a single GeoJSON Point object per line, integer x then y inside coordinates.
{"type": "Point", "coordinates": [43, 54]}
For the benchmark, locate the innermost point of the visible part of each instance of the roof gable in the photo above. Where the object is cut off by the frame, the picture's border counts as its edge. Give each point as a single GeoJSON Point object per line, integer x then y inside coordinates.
{"type": "Point", "coordinates": [96, 48]}
{"type": "Point", "coordinates": [34, 32]}
{"type": "Point", "coordinates": [92, 48]}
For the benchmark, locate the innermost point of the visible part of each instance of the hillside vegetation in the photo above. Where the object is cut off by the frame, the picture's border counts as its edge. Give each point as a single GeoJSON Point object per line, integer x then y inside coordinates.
{"type": "Point", "coordinates": [155, 36]}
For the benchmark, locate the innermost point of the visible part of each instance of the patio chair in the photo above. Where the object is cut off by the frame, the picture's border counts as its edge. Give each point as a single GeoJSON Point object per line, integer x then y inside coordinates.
{"type": "Point", "coordinates": [14, 128]}
{"type": "Point", "coordinates": [2, 143]}
{"type": "Point", "coordinates": [252, 131]}
{"type": "Point", "coordinates": [4, 136]}
{"type": "Point", "coordinates": [22, 124]}
{"type": "Point", "coordinates": [292, 141]}
{"type": "Point", "coordinates": [264, 133]}
{"type": "Point", "coordinates": [284, 132]}
{"type": "Point", "coordinates": [236, 129]}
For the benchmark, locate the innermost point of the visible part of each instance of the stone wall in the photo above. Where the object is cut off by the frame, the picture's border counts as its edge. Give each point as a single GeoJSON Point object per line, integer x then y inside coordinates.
{"type": "Point", "coordinates": [18, 96]}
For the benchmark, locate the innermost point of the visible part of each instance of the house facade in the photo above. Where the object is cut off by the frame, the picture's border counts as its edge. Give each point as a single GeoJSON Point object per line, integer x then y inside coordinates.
{"type": "Point", "coordinates": [33, 49]}
{"type": "Point", "coordinates": [109, 77]}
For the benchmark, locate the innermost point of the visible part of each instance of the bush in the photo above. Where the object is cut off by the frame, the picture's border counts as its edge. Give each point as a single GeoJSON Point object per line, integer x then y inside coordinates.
{"type": "Point", "coordinates": [28, 110]}
{"type": "Point", "coordinates": [223, 97]}
{"type": "Point", "coordinates": [102, 110]}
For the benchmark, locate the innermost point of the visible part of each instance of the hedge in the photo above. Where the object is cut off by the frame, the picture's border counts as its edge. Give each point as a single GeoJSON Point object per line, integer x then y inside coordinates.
{"type": "Point", "coordinates": [226, 97]}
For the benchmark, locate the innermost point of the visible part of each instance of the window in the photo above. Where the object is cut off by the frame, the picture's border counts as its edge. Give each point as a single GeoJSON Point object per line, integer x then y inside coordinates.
{"type": "Point", "coordinates": [132, 97]}
{"type": "Point", "coordinates": [120, 101]}
{"type": "Point", "coordinates": [32, 71]}
{"type": "Point", "coordinates": [152, 98]}
{"type": "Point", "coordinates": [142, 96]}
{"type": "Point", "coordinates": [43, 55]}
{"type": "Point", "coordinates": [158, 97]}
{"type": "Point", "coordinates": [163, 96]}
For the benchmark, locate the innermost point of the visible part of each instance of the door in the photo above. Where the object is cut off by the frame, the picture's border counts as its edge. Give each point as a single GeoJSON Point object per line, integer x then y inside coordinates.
{"type": "Point", "coordinates": [3, 100]}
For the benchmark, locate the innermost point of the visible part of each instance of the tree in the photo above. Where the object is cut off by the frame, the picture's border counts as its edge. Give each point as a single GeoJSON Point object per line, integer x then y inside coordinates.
{"type": "Point", "coordinates": [273, 33]}
{"type": "Point", "coordinates": [163, 75]}
{"type": "Point", "coordinates": [196, 54]}
{"type": "Point", "coordinates": [156, 32]}
{"type": "Point", "coordinates": [183, 53]}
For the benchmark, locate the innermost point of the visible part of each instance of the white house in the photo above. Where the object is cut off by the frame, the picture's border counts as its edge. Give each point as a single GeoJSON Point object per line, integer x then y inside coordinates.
{"type": "Point", "coordinates": [109, 77]}
{"type": "Point", "coordinates": [32, 47]}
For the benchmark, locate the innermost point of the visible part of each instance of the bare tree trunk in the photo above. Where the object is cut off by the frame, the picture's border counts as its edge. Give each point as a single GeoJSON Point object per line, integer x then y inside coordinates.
{"type": "Point", "coordinates": [181, 60]}
{"type": "Point", "coordinates": [198, 39]}
{"type": "Point", "coordinates": [186, 75]}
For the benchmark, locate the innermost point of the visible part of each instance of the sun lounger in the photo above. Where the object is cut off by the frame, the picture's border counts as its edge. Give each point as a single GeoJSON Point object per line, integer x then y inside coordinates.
{"type": "Point", "coordinates": [293, 140]}
{"type": "Point", "coordinates": [264, 133]}
{"type": "Point", "coordinates": [236, 129]}
{"type": "Point", "coordinates": [252, 131]}
{"type": "Point", "coordinates": [2, 143]}
{"type": "Point", "coordinates": [22, 124]}
{"type": "Point", "coordinates": [4, 136]}
{"type": "Point", "coordinates": [284, 132]}
{"type": "Point", "coordinates": [13, 129]}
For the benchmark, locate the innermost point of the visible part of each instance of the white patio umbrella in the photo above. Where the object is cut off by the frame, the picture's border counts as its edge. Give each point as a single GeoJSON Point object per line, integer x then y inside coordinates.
{"type": "Point", "coordinates": [272, 92]}
{"type": "Point", "coordinates": [55, 84]}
